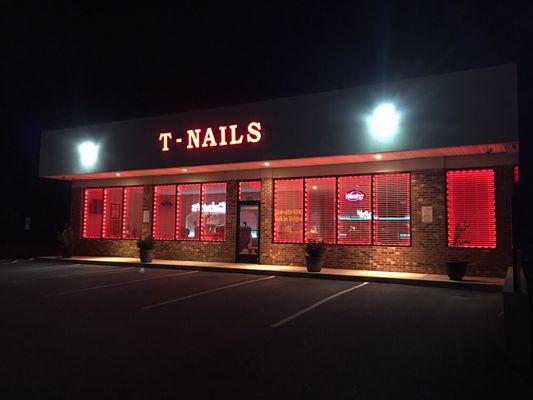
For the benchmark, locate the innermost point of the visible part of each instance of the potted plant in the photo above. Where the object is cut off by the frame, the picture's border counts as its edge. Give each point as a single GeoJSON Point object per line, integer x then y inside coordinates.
{"type": "Point", "coordinates": [67, 238]}
{"type": "Point", "coordinates": [456, 268]}
{"type": "Point", "coordinates": [146, 249]}
{"type": "Point", "coordinates": [314, 255]}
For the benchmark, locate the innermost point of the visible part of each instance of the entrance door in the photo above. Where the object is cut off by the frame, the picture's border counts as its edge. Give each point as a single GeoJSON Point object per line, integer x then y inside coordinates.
{"type": "Point", "coordinates": [248, 232]}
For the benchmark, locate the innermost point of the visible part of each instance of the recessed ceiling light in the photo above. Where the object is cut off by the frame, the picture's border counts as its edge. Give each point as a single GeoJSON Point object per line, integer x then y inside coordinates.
{"type": "Point", "coordinates": [378, 156]}
{"type": "Point", "coordinates": [266, 164]}
{"type": "Point", "coordinates": [184, 170]}
{"type": "Point", "coordinates": [314, 187]}
{"type": "Point", "coordinates": [117, 174]}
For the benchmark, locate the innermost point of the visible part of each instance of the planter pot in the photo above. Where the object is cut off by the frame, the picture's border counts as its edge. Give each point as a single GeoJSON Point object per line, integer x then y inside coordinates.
{"type": "Point", "coordinates": [456, 270]}
{"type": "Point", "coordinates": [146, 255]}
{"type": "Point", "coordinates": [67, 252]}
{"type": "Point", "coordinates": [314, 264]}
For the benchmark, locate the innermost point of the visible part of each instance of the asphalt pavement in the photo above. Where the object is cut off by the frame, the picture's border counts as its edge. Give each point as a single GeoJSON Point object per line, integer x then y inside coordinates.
{"type": "Point", "coordinates": [85, 331]}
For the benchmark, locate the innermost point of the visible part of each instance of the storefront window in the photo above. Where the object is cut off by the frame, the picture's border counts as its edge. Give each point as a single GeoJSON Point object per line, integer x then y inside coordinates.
{"type": "Point", "coordinates": [392, 210]}
{"type": "Point", "coordinates": [214, 211]}
{"type": "Point", "coordinates": [320, 209]}
{"type": "Point", "coordinates": [188, 221]}
{"type": "Point", "coordinates": [471, 208]}
{"type": "Point", "coordinates": [133, 209]}
{"type": "Point", "coordinates": [250, 191]}
{"type": "Point", "coordinates": [362, 209]}
{"type": "Point", "coordinates": [164, 217]}
{"type": "Point", "coordinates": [112, 213]}
{"type": "Point", "coordinates": [288, 210]}
{"type": "Point", "coordinates": [92, 213]}
{"type": "Point", "coordinates": [112, 217]}
{"type": "Point", "coordinates": [354, 210]}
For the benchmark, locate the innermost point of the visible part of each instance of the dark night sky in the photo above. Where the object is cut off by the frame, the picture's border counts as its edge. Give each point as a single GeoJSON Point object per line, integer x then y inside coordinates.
{"type": "Point", "coordinates": [72, 65]}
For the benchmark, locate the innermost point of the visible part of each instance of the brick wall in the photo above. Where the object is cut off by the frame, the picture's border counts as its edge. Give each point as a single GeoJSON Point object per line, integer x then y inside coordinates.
{"type": "Point", "coordinates": [428, 252]}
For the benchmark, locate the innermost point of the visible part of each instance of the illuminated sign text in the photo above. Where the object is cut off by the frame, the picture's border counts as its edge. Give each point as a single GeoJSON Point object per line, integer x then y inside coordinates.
{"type": "Point", "coordinates": [354, 195]}
{"type": "Point", "coordinates": [225, 135]}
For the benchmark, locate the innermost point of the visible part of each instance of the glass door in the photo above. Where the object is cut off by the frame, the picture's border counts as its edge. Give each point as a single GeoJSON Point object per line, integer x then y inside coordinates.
{"type": "Point", "coordinates": [248, 219]}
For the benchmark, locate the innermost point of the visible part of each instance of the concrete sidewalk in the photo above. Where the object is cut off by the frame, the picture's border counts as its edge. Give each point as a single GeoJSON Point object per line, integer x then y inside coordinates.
{"type": "Point", "coordinates": [405, 278]}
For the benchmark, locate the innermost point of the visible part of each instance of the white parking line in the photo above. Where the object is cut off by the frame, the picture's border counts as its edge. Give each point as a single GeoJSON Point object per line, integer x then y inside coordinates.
{"type": "Point", "coordinates": [301, 312]}
{"type": "Point", "coordinates": [106, 271]}
{"type": "Point", "coordinates": [119, 284]}
{"type": "Point", "coordinates": [205, 292]}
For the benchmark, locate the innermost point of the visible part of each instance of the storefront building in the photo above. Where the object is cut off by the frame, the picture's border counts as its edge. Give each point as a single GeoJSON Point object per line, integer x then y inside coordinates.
{"type": "Point", "coordinates": [401, 176]}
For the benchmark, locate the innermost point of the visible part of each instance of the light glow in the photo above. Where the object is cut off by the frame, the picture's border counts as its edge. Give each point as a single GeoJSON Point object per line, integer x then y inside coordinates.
{"type": "Point", "coordinates": [384, 121]}
{"type": "Point", "coordinates": [88, 153]}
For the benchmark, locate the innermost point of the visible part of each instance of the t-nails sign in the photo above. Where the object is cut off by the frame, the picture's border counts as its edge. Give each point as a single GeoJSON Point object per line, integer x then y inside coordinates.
{"type": "Point", "coordinates": [225, 135]}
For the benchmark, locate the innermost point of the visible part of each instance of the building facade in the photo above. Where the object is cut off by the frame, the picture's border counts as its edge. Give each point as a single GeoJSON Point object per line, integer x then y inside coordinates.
{"type": "Point", "coordinates": [401, 176]}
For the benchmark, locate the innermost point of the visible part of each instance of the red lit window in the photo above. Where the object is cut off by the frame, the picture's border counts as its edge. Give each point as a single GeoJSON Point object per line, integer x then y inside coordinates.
{"type": "Point", "coordinates": [288, 210]}
{"type": "Point", "coordinates": [92, 213]}
{"type": "Point", "coordinates": [320, 209]}
{"type": "Point", "coordinates": [250, 191]}
{"type": "Point", "coordinates": [471, 208]}
{"type": "Point", "coordinates": [392, 210]}
{"type": "Point", "coordinates": [354, 210]}
{"type": "Point", "coordinates": [188, 221]}
{"type": "Point", "coordinates": [164, 212]}
{"type": "Point", "coordinates": [213, 211]}
{"type": "Point", "coordinates": [133, 209]}
{"type": "Point", "coordinates": [112, 219]}
{"type": "Point", "coordinates": [516, 174]}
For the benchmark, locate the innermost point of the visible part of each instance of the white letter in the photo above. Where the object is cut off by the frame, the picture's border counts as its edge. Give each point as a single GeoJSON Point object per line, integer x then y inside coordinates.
{"type": "Point", "coordinates": [234, 140]}
{"type": "Point", "coordinates": [164, 136]}
{"type": "Point", "coordinates": [254, 132]}
{"type": "Point", "coordinates": [209, 137]}
{"type": "Point", "coordinates": [194, 138]}
{"type": "Point", "coordinates": [222, 136]}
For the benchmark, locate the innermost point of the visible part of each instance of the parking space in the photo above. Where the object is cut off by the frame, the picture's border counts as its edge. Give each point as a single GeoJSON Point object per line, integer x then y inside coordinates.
{"type": "Point", "coordinates": [83, 331]}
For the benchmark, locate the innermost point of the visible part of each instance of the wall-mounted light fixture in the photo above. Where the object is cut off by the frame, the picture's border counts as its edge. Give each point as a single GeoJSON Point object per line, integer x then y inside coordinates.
{"type": "Point", "coordinates": [88, 153]}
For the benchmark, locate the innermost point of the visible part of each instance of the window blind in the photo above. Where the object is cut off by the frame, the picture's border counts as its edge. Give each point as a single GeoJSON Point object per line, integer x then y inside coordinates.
{"type": "Point", "coordinates": [133, 209]}
{"type": "Point", "coordinates": [112, 213]}
{"type": "Point", "coordinates": [92, 213]}
{"type": "Point", "coordinates": [471, 208]}
{"type": "Point", "coordinates": [164, 212]}
{"type": "Point", "coordinates": [288, 210]}
{"type": "Point", "coordinates": [392, 215]}
{"type": "Point", "coordinates": [354, 210]}
{"type": "Point", "coordinates": [320, 209]}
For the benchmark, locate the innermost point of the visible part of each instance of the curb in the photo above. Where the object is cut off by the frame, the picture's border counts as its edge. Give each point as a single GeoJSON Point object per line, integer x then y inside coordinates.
{"type": "Point", "coordinates": [483, 287]}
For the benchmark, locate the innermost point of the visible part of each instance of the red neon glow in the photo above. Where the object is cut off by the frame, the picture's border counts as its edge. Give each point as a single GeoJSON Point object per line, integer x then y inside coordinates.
{"type": "Point", "coordinates": [188, 212]}
{"type": "Point", "coordinates": [516, 174]}
{"type": "Point", "coordinates": [213, 223]}
{"type": "Point", "coordinates": [471, 208]}
{"type": "Point", "coordinates": [288, 210]}
{"type": "Point", "coordinates": [392, 210]}
{"type": "Point", "coordinates": [320, 210]}
{"type": "Point", "coordinates": [112, 213]}
{"type": "Point", "coordinates": [354, 217]}
{"type": "Point", "coordinates": [164, 212]}
{"type": "Point", "coordinates": [250, 191]}
{"type": "Point", "coordinates": [165, 137]}
{"type": "Point", "coordinates": [132, 214]}
{"type": "Point", "coordinates": [92, 213]}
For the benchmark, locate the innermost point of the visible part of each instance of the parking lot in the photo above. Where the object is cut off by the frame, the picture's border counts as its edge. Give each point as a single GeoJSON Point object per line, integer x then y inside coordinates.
{"type": "Point", "coordinates": [82, 331]}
